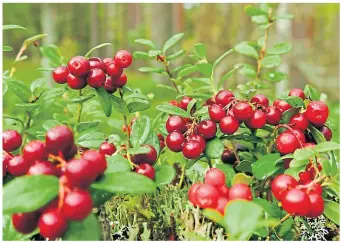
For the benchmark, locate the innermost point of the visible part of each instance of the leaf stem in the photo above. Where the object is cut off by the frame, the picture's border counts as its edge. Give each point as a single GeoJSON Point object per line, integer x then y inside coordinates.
{"type": "Point", "coordinates": [209, 162]}
{"type": "Point", "coordinates": [80, 107]}
{"type": "Point", "coordinates": [20, 53]}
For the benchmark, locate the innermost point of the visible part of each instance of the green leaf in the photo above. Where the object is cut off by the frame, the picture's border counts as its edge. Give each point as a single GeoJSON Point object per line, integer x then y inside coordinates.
{"type": "Point", "coordinates": [294, 171]}
{"type": "Point", "coordinates": [332, 211]}
{"type": "Point", "coordinates": [49, 124]}
{"type": "Point", "coordinates": [311, 93]}
{"type": "Point", "coordinates": [265, 166]}
{"type": "Point", "coordinates": [241, 178]}
{"type": "Point", "coordinates": [228, 171]}
{"type": "Point", "coordinates": [32, 39]}
{"type": "Point", "coordinates": [246, 49]}
{"type": "Point", "coordinates": [270, 61]}
{"type": "Point", "coordinates": [214, 215]}
{"type": "Point", "coordinates": [53, 54]}
{"type": "Point", "coordinates": [145, 42]}
{"type": "Point", "coordinates": [136, 102]}
{"type": "Point", "coordinates": [228, 75]}
{"type": "Point", "coordinates": [52, 93]}
{"type": "Point", "coordinates": [105, 100]}
{"type": "Point", "coordinates": [279, 49]}
{"type": "Point", "coordinates": [81, 99]}
{"type": "Point", "coordinates": [44, 69]}
{"type": "Point", "coordinates": [170, 109]}
{"type": "Point", "coordinates": [87, 229]}
{"type": "Point", "coordinates": [214, 148]}
{"type": "Point", "coordinates": [96, 48]}
{"type": "Point", "coordinates": [248, 71]}
{"type": "Point", "coordinates": [187, 71]}
{"type": "Point", "coordinates": [265, 26]}
{"type": "Point", "coordinates": [151, 69]}
{"type": "Point", "coordinates": [19, 89]}
{"type": "Point", "coordinates": [283, 16]}
{"type": "Point", "coordinates": [303, 154]}
{"type": "Point", "coordinates": [204, 68]}
{"type": "Point", "coordinates": [252, 11]}
{"type": "Point", "coordinates": [270, 208]}
{"type": "Point", "coordinates": [140, 55]}
{"type": "Point", "coordinates": [6, 48]}
{"type": "Point", "coordinates": [138, 150]}
{"type": "Point", "coordinates": [260, 19]}
{"type": "Point", "coordinates": [164, 174]}
{"type": "Point", "coordinates": [140, 131]}
{"type": "Point", "coordinates": [154, 141]}
{"type": "Point", "coordinates": [125, 182]}
{"type": "Point", "coordinates": [200, 50]}
{"type": "Point", "coordinates": [294, 101]}
{"type": "Point", "coordinates": [117, 163]}
{"type": "Point", "coordinates": [9, 233]}
{"type": "Point", "coordinates": [86, 126]}
{"type": "Point", "coordinates": [201, 112]}
{"type": "Point", "coordinates": [326, 146]}
{"type": "Point", "coordinates": [285, 227]}
{"type": "Point", "coordinates": [119, 105]}
{"type": "Point", "coordinates": [172, 41]}
{"type": "Point", "coordinates": [12, 26]}
{"type": "Point", "coordinates": [153, 53]}
{"type": "Point", "coordinates": [29, 193]}
{"type": "Point", "coordinates": [318, 136]}
{"type": "Point", "coordinates": [286, 116]}
{"type": "Point", "coordinates": [169, 88]}
{"type": "Point", "coordinates": [91, 140]}
{"type": "Point", "coordinates": [275, 76]}
{"type": "Point", "coordinates": [176, 55]}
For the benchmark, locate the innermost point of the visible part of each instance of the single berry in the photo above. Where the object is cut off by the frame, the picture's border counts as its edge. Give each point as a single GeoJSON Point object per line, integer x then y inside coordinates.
{"type": "Point", "coordinates": [287, 143]}
{"type": "Point", "coordinates": [113, 69]}
{"type": "Point", "coordinates": [96, 62]}
{"type": "Point", "coordinates": [296, 202]}
{"type": "Point", "coordinates": [75, 82]}
{"type": "Point", "coordinates": [59, 138]}
{"type": "Point", "coordinates": [257, 120]}
{"type": "Point", "coordinates": [299, 121]}
{"type": "Point", "coordinates": [25, 223]}
{"type": "Point", "coordinates": [60, 74]}
{"type": "Point", "coordinates": [52, 224]}
{"type": "Point", "coordinates": [207, 128]}
{"type": "Point", "coordinates": [228, 157]}
{"type": "Point", "coordinates": [224, 97]}
{"type": "Point", "coordinates": [282, 105]}
{"type": "Point", "coordinates": [260, 99]}
{"type": "Point", "coordinates": [191, 193]}
{"type": "Point", "coordinates": [305, 176]}
{"type": "Point", "coordinates": [240, 191]}
{"type": "Point", "coordinates": [43, 168]}
{"type": "Point", "coordinates": [109, 86]}
{"type": "Point", "coordinates": [107, 61]}
{"type": "Point", "coordinates": [184, 102]}
{"type": "Point", "coordinates": [317, 205]}
{"type": "Point", "coordinates": [199, 139]}
{"type": "Point", "coordinates": [146, 170]}
{"type": "Point", "coordinates": [298, 134]}
{"type": "Point", "coordinates": [242, 111]}
{"type": "Point", "coordinates": [273, 115]}
{"type": "Point", "coordinates": [96, 78]}
{"type": "Point", "coordinates": [191, 149]}
{"type": "Point", "coordinates": [175, 141]}
{"type": "Point", "coordinates": [123, 58]}
{"type": "Point", "coordinates": [326, 131]}
{"type": "Point", "coordinates": [176, 123]}
{"type": "Point", "coordinates": [297, 92]}
{"type": "Point", "coordinates": [317, 113]}
{"type": "Point", "coordinates": [96, 159]}
{"type": "Point", "coordinates": [228, 125]}
{"type": "Point", "coordinates": [221, 204]}
{"type": "Point", "coordinates": [79, 66]}
{"type": "Point", "coordinates": [149, 157]}
{"type": "Point", "coordinates": [120, 81]}
{"type": "Point", "coordinates": [174, 103]}
{"type": "Point", "coordinates": [206, 196]}
{"type": "Point", "coordinates": [35, 150]}
{"type": "Point", "coordinates": [223, 190]}
{"type": "Point", "coordinates": [18, 166]}
{"type": "Point", "coordinates": [210, 102]}
{"type": "Point", "coordinates": [160, 136]}
{"type": "Point", "coordinates": [77, 205]}
{"type": "Point", "coordinates": [107, 148]}
{"type": "Point", "coordinates": [215, 177]}
{"type": "Point", "coordinates": [11, 140]}
{"type": "Point", "coordinates": [282, 183]}
{"type": "Point", "coordinates": [80, 173]}
{"type": "Point", "coordinates": [216, 112]}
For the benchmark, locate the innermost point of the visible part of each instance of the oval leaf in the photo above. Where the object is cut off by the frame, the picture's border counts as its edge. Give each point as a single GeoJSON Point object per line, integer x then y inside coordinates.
{"type": "Point", "coordinates": [105, 100]}
{"type": "Point", "coordinates": [214, 148]}
{"type": "Point", "coordinates": [164, 174]}
{"type": "Point", "coordinates": [140, 131]}
{"type": "Point", "coordinates": [172, 41]}
{"type": "Point", "coordinates": [87, 229]}
{"type": "Point", "coordinates": [170, 109]}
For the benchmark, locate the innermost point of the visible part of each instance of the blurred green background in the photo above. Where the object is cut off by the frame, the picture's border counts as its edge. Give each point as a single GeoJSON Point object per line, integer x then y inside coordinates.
{"type": "Point", "coordinates": [75, 28]}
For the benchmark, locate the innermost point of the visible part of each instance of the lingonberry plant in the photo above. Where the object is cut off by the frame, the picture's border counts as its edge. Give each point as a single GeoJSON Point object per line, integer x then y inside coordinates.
{"type": "Point", "coordinates": [251, 163]}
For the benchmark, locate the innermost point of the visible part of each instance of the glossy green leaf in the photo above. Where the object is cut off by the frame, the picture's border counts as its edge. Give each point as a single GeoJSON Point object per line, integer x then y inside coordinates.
{"type": "Point", "coordinates": [311, 93]}
{"type": "Point", "coordinates": [187, 71]}
{"type": "Point", "coordinates": [326, 146]}
{"type": "Point", "coordinates": [91, 140]}
{"type": "Point", "coordinates": [172, 41]}
{"type": "Point", "coordinates": [49, 124]}
{"type": "Point", "coordinates": [119, 105]}
{"type": "Point", "coordinates": [86, 126]}
{"type": "Point", "coordinates": [32, 39]}
{"type": "Point", "coordinates": [170, 109]}
{"type": "Point", "coordinates": [176, 55]}
{"type": "Point", "coordinates": [81, 99]}
{"type": "Point", "coordinates": [200, 50]}
{"type": "Point", "coordinates": [270, 61]}
{"type": "Point", "coordinates": [105, 100]}
{"type": "Point", "coordinates": [141, 55]}
{"type": "Point", "coordinates": [288, 114]}
{"type": "Point", "coordinates": [294, 101]}
{"type": "Point", "coordinates": [270, 208]}
{"type": "Point", "coordinates": [141, 129]}
{"type": "Point", "coordinates": [153, 53]}
{"type": "Point", "coordinates": [332, 211]}
{"type": "Point", "coordinates": [214, 148]}
{"type": "Point", "coordinates": [117, 163]}
{"type": "Point", "coordinates": [265, 166]}
{"type": "Point", "coordinates": [6, 48]}
{"type": "Point", "coordinates": [12, 26]}
{"type": "Point", "coordinates": [228, 75]}
{"type": "Point", "coordinates": [145, 42]}
{"type": "Point", "coordinates": [252, 11]}
{"type": "Point", "coordinates": [279, 49]}
{"type": "Point", "coordinates": [138, 150]}
{"type": "Point", "coordinates": [275, 76]}
{"type": "Point", "coordinates": [246, 49]}
{"type": "Point", "coordinates": [151, 69]}
{"type": "Point", "coordinates": [19, 89]}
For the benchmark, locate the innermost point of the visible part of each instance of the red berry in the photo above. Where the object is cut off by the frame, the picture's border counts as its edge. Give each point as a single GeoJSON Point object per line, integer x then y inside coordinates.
{"type": "Point", "coordinates": [59, 138]}
{"type": "Point", "coordinates": [174, 103]}
{"type": "Point", "coordinates": [207, 128]}
{"type": "Point", "coordinates": [298, 134]}
{"type": "Point", "coordinates": [228, 125]}
{"type": "Point", "coordinates": [79, 66]}
{"type": "Point", "coordinates": [273, 115]}
{"type": "Point", "coordinates": [162, 145]}
{"type": "Point", "coordinates": [242, 111]}
{"type": "Point", "coordinates": [210, 102]}
{"type": "Point", "coordinates": [199, 139]}
{"type": "Point", "coordinates": [228, 157]}
{"type": "Point", "coordinates": [96, 78]}
{"type": "Point", "coordinates": [148, 158]}
{"type": "Point", "coordinates": [52, 224]}
{"type": "Point", "coordinates": [109, 86]}
{"type": "Point", "coordinates": [146, 170]}
{"type": "Point", "coordinates": [18, 166]}
{"type": "Point", "coordinates": [327, 133]}
{"type": "Point", "coordinates": [286, 163]}
{"type": "Point", "coordinates": [223, 190]}
{"type": "Point", "coordinates": [206, 196]}
{"type": "Point", "coordinates": [317, 205]}
{"type": "Point", "coordinates": [282, 105]}
{"type": "Point", "coordinates": [305, 176]}
{"type": "Point", "coordinates": [97, 160]}
{"type": "Point", "coordinates": [191, 149]}
{"type": "Point", "coordinates": [113, 69]}
{"type": "Point", "coordinates": [120, 81]}
{"type": "Point", "coordinates": [174, 141]}
{"type": "Point", "coordinates": [282, 183]}
{"type": "Point", "coordinates": [77, 205]}
{"type": "Point", "coordinates": [107, 61]}
{"type": "Point", "coordinates": [25, 223]}
{"type": "Point", "coordinates": [215, 177]}
{"type": "Point", "coordinates": [216, 112]}
{"type": "Point", "coordinates": [314, 188]}
{"type": "Point", "coordinates": [160, 136]}
{"type": "Point", "coordinates": [257, 120]}
{"type": "Point", "coordinates": [71, 152]}
{"type": "Point", "coordinates": [224, 97]}
{"type": "Point", "coordinates": [221, 204]}
{"type": "Point", "coordinates": [96, 62]}
{"type": "Point", "coordinates": [51, 205]}
{"type": "Point", "coordinates": [75, 82]}
{"type": "Point", "coordinates": [191, 193]}
{"type": "Point", "coordinates": [4, 169]}
{"type": "Point", "coordinates": [298, 92]}
{"type": "Point", "coordinates": [35, 150]}
{"type": "Point", "coordinates": [260, 99]}
{"type": "Point", "coordinates": [299, 121]}
{"type": "Point", "coordinates": [176, 123]}
{"type": "Point", "coordinates": [184, 102]}
{"type": "Point", "coordinates": [43, 168]}
{"type": "Point", "coordinates": [240, 191]}
{"type": "Point", "coordinates": [80, 173]}
{"type": "Point", "coordinates": [11, 140]}
{"type": "Point", "coordinates": [296, 201]}
{"type": "Point", "coordinates": [287, 143]}
{"type": "Point", "coordinates": [123, 58]}
{"type": "Point", "coordinates": [107, 148]}
{"type": "Point", "coordinates": [60, 74]}
{"type": "Point", "coordinates": [317, 113]}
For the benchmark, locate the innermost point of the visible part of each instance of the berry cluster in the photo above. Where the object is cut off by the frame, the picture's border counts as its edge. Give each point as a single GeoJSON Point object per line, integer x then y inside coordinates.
{"type": "Point", "coordinates": [11, 141]}
{"type": "Point", "coordinates": [215, 194]}
{"type": "Point", "coordinates": [107, 73]}
{"type": "Point", "coordinates": [296, 198]}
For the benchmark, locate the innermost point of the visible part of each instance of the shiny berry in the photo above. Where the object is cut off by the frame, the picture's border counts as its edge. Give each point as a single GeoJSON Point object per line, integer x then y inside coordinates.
{"type": "Point", "coordinates": [224, 97]}
{"type": "Point", "coordinates": [317, 205]}
{"type": "Point", "coordinates": [71, 152]}
{"type": "Point", "coordinates": [96, 62]}
{"type": "Point", "coordinates": [223, 190]}
{"type": "Point", "coordinates": [146, 170]}
{"type": "Point", "coordinates": [176, 123]}
{"type": "Point", "coordinates": [80, 173]}
{"type": "Point", "coordinates": [52, 224]}
{"type": "Point", "coordinates": [149, 157]}
{"type": "Point", "coordinates": [60, 74]}
{"type": "Point", "coordinates": [199, 139]}
{"type": "Point", "coordinates": [11, 140]}
{"type": "Point", "coordinates": [107, 148]}
{"type": "Point", "coordinates": [120, 81]}
{"type": "Point", "coordinates": [240, 191]}
{"type": "Point", "coordinates": [174, 103]}
{"type": "Point", "coordinates": [216, 112]}
{"type": "Point", "coordinates": [273, 115]}
{"type": "Point", "coordinates": [75, 82]}
{"type": "Point", "coordinates": [77, 205]}
{"type": "Point", "coordinates": [299, 121]}
{"type": "Point", "coordinates": [160, 136]}
{"type": "Point", "coordinates": [282, 183]}
{"type": "Point", "coordinates": [215, 177]}
{"type": "Point", "coordinates": [242, 111]}
{"type": "Point", "coordinates": [96, 159]}
{"type": "Point", "coordinates": [191, 149]}
{"type": "Point", "coordinates": [107, 61]}
{"type": "Point", "coordinates": [287, 143]}
{"type": "Point", "coordinates": [96, 78]}
{"type": "Point", "coordinates": [257, 120]}
{"type": "Point", "coordinates": [210, 102]}
{"type": "Point", "coordinates": [228, 125]}
{"type": "Point", "coordinates": [228, 157]}
{"type": "Point", "coordinates": [314, 188]}
{"type": "Point", "coordinates": [109, 86]}
{"type": "Point", "coordinates": [175, 141]}
{"type": "Point", "coordinates": [296, 202]}
{"type": "Point", "coordinates": [326, 131]}
{"type": "Point", "coordinates": [184, 102]}
{"type": "Point", "coordinates": [206, 196]}
{"type": "Point", "coordinates": [282, 105]}
{"type": "Point", "coordinates": [191, 193]}
{"type": "Point", "coordinates": [59, 138]}
{"type": "Point", "coordinates": [221, 204]}
{"type": "Point", "coordinates": [305, 176]}
{"type": "Point", "coordinates": [34, 150]}
{"type": "Point", "coordinates": [113, 70]}
{"type": "Point", "coordinates": [123, 58]}
{"type": "Point", "coordinates": [260, 99]}
{"type": "Point", "coordinates": [297, 92]}
{"type": "Point", "coordinates": [207, 128]}
{"type": "Point", "coordinates": [298, 134]}
{"type": "Point", "coordinates": [25, 223]}
{"type": "Point", "coordinates": [317, 113]}
{"type": "Point", "coordinates": [79, 66]}
{"type": "Point", "coordinates": [43, 168]}
{"type": "Point", "coordinates": [18, 166]}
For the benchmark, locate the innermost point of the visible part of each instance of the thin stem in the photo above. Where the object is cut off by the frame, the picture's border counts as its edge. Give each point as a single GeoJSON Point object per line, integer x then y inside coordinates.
{"type": "Point", "coordinates": [21, 51]}
{"type": "Point", "coordinates": [282, 220]}
{"type": "Point", "coordinates": [209, 162]}
{"type": "Point", "coordinates": [170, 75]}
{"type": "Point", "coordinates": [182, 177]}
{"type": "Point", "coordinates": [80, 107]}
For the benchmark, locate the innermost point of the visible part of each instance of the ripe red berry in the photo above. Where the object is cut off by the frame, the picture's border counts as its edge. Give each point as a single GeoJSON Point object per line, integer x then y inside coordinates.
{"type": "Point", "coordinates": [257, 120]}
{"type": "Point", "coordinates": [298, 92]}
{"type": "Point", "coordinates": [18, 166]}
{"type": "Point", "coordinates": [282, 105]}
{"type": "Point", "coordinates": [96, 78]}
{"type": "Point", "coordinates": [206, 196]}
{"type": "Point", "coordinates": [149, 157]}
{"type": "Point", "coordinates": [79, 66]}
{"type": "Point", "coordinates": [59, 138]}
{"type": "Point", "coordinates": [317, 113]}
{"type": "Point", "coordinates": [162, 145]}
{"type": "Point", "coordinates": [299, 121]}
{"type": "Point", "coordinates": [305, 176]}
{"type": "Point", "coordinates": [199, 139]}
{"type": "Point", "coordinates": [71, 152]}
{"type": "Point", "coordinates": [43, 168]}
{"type": "Point", "coordinates": [240, 191]}
{"type": "Point", "coordinates": [160, 136]}
{"type": "Point", "coordinates": [77, 205]}
{"type": "Point", "coordinates": [191, 193]}
{"type": "Point", "coordinates": [96, 62]}
{"type": "Point", "coordinates": [260, 99]}
{"type": "Point", "coordinates": [326, 131]}
{"type": "Point", "coordinates": [4, 169]}
{"type": "Point", "coordinates": [174, 103]}
{"type": "Point", "coordinates": [97, 160]}
{"type": "Point", "coordinates": [317, 205]}
{"type": "Point", "coordinates": [176, 123]}
{"type": "Point", "coordinates": [11, 140]}
{"type": "Point", "coordinates": [298, 134]}
{"type": "Point", "coordinates": [123, 58]}
{"type": "Point", "coordinates": [25, 223]}
{"type": "Point", "coordinates": [228, 157]}
{"type": "Point", "coordinates": [273, 115]}
{"type": "Point", "coordinates": [224, 97]}
{"type": "Point", "coordinates": [107, 148]}
{"type": "Point", "coordinates": [242, 111]}
{"type": "Point", "coordinates": [184, 102]}
{"type": "Point", "coordinates": [314, 188]}
{"type": "Point", "coordinates": [80, 173]}
{"type": "Point", "coordinates": [60, 74]}
{"type": "Point", "coordinates": [296, 201]}
{"type": "Point", "coordinates": [191, 149]}
{"type": "Point", "coordinates": [216, 112]}
{"type": "Point", "coordinates": [107, 61]}
{"type": "Point", "coordinates": [215, 177]}
{"type": "Point", "coordinates": [287, 143]}
{"type": "Point", "coordinates": [223, 190]}
{"type": "Point", "coordinates": [174, 141]}
{"type": "Point", "coordinates": [207, 128]}
{"type": "Point", "coordinates": [282, 183]}
{"type": "Point", "coordinates": [146, 170]}
{"type": "Point", "coordinates": [75, 82]}
{"type": "Point", "coordinates": [221, 204]}
{"type": "Point", "coordinates": [109, 86]}
{"type": "Point", "coordinates": [228, 125]}
{"type": "Point", "coordinates": [210, 102]}
{"type": "Point", "coordinates": [52, 224]}
{"type": "Point", "coordinates": [120, 81]}
{"type": "Point", "coordinates": [113, 69]}
{"type": "Point", "coordinates": [35, 150]}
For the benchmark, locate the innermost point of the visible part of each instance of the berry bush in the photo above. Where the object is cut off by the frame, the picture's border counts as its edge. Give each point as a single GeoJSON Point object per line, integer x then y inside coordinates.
{"type": "Point", "coordinates": [251, 166]}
